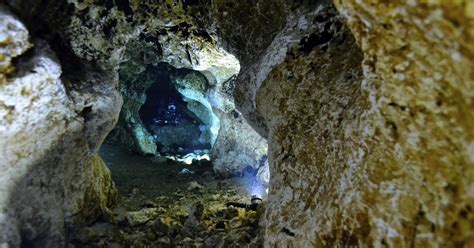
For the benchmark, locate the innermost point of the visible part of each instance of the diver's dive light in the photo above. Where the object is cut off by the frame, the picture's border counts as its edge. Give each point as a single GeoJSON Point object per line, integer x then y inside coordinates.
{"type": "Point", "coordinates": [255, 200]}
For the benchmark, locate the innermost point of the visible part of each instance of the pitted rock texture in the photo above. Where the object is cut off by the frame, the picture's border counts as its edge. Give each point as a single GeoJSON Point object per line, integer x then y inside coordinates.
{"type": "Point", "coordinates": [51, 178]}
{"type": "Point", "coordinates": [310, 102]}
{"type": "Point", "coordinates": [370, 139]}
{"type": "Point", "coordinates": [418, 67]}
{"type": "Point", "coordinates": [128, 38]}
{"type": "Point", "coordinates": [369, 125]}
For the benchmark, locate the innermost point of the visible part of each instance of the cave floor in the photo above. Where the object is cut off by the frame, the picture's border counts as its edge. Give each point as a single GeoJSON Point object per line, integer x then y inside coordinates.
{"type": "Point", "coordinates": [160, 207]}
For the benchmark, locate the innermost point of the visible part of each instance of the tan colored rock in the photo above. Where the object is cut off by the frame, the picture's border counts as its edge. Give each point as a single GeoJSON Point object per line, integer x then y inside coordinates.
{"type": "Point", "coordinates": [419, 67]}
{"type": "Point", "coordinates": [370, 138]}
{"type": "Point", "coordinates": [194, 186]}
{"type": "Point", "coordinates": [101, 193]}
{"type": "Point", "coordinates": [141, 217]}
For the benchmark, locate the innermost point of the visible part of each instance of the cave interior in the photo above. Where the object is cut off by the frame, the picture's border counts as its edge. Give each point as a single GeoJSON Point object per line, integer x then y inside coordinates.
{"type": "Point", "coordinates": [268, 123]}
{"type": "Point", "coordinates": [167, 118]}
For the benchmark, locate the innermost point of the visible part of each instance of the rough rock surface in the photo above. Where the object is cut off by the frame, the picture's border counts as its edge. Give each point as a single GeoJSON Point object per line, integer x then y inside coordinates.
{"type": "Point", "coordinates": [369, 125]}
{"type": "Point", "coordinates": [197, 218]}
{"type": "Point", "coordinates": [94, 41]}
{"type": "Point", "coordinates": [240, 146]}
{"type": "Point", "coordinates": [235, 143]}
{"type": "Point", "coordinates": [161, 207]}
{"type": "Point", "coordinates": [194, 88]}
{"type": "Point", "coordinates": [418, 164]}
{"type": "Point", "coordinates": [50, 176]}
{"type": "Point", "coordinates": [369, 146]}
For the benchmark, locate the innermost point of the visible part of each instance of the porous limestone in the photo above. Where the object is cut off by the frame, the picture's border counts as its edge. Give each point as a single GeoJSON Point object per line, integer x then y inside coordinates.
{"type": "Point", "coordinates": [50, 175]}
{"type": "Point", "coordinates": [367, 108]}
{"type": "Point", "coordinates": [369, 126]}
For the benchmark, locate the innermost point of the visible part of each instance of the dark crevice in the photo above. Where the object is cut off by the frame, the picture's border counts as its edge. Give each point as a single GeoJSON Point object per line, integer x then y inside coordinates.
{"type": "Point", "coordinates": [190, 3]}
{"type": "Point", "coordinates": [108, 27]}
{"type": "Point", "coordinates": [153, 39]}
{"type": "Point", "coordinates": [83, 15]}
{"type": "Point", "coordinates": [124, 6]}
{"type": "Point", "coordinates": [204, 34]}
{"type": "Point", "coordinates": [288, 232]}
{"type": "Point", "coordinates": [109, 4]}
{"type": "Point", "coordinates": [307, 44]}
{"type": "Point", "coordinates": [45, 20]}
{"type": "Point", "coordinates": [86, 113]}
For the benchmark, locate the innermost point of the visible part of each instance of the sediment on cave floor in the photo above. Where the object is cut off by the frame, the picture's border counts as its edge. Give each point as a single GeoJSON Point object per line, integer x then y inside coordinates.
{"type": "Point", "coordinates": [166, 203]}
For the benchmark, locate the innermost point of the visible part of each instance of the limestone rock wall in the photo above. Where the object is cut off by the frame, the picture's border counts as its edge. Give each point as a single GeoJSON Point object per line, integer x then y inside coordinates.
{"type": "Point", "coordinates": [194, 88]}
{"type": "Point", "coordinates": [418, 65]}
{"type": "Point", "coordinates": [50, 175]}
{"type": "Point", "coordinates": [367, 110]}
{"type": "Point", "coordinates": [369, 127]}
{"type": "Point", "coordinates": [238, 147]}
{"type": "Point", "coordinates": [310, 97]}
{"type": "Point", "coordinates": [13, 40]}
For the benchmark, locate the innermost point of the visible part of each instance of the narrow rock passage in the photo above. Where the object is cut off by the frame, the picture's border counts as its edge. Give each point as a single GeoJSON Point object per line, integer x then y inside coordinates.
{"type": "Point", "coordinates": [357, 114]}
{"type": "Point", "coordinates": [164, 203]}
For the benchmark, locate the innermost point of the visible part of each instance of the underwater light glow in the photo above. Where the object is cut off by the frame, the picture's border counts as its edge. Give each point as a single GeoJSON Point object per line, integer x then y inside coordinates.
{"type": "Point", "coordinates": [253, 182]}
{"type": "Point", "coordinates": [258, 189]}
{"type": "Point", "coordinates": [190, 157]}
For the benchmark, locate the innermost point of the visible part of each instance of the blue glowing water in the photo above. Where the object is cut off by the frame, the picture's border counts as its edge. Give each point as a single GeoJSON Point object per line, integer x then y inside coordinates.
{"type": "Point", "coordinates": [252, 184]}
{"type": "Point", "coordinates": [258, 189]}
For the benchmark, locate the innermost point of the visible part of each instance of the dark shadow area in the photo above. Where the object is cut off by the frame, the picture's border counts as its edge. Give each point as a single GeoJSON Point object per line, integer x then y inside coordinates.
{"type": "Point", "coordinates": [175, 129]}
{"type": "Point", "coordinates": [164, 105]}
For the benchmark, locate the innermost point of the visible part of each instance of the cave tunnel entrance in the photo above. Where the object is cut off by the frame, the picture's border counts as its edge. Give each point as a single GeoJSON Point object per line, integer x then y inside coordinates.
{"type": "Point", "coordinates": [172, 122]}
{"type": "Point", "coordinates": [175, 129]}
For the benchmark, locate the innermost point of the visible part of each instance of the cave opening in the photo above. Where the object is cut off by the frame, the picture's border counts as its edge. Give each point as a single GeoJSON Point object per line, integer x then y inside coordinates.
{"type": "Point", "coordinates": [175, 129]}
{"type": "Point", "coordinates": [181, 146]}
